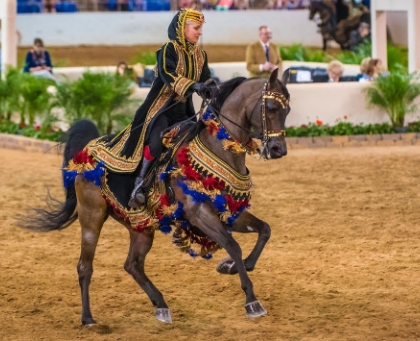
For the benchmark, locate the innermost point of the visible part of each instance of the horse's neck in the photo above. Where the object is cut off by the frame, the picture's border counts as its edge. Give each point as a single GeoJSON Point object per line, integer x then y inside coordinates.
{"type": "Point", "coordinates": [236, 161]}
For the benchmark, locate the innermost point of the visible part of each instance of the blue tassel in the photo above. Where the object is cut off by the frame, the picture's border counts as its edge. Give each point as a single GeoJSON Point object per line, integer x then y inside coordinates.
{"type": "Point", "coordinates": [68, 178]}
{"type": "Point", "coordinates": [165, 225]}
{"type": "Point", "coordinates": [192, 253]}
{"type": "Point", "coordinates": [207, 256]}
{"type": "Point", "coordinates": [208, 115]}
{"type": "Point", "coordinates": [179, 212]}
{"type": "Point", "coordinates": [220, 203]}
{"type": "Point", "coordinates": [222, 134]}
{"type": "Point", "coordinates": [195, 195]}
{"type": "Point", "coordinates": [164, 176]}
{"type": "Point", "coordinates": [95, 175]}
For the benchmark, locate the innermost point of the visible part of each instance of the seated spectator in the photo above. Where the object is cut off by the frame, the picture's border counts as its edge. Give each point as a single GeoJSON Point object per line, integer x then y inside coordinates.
{"type": "Point", "coordinates": [122, 69]}
{"type": "Point", "coordinates": [335, 70]}
{"type": "Point", "coordinates": [370, 69]}
{"type": "Point", "coordinates": [359, 36]}
{"type": "Point", "coordinates": [209, 4]}
{"type": "Point", "coordinates": [240, 4]}
{"type": "Point", "coordinates": [49, 6]}
{"type": "Point", "coordinates": [38, 61]}
{"type": "Point", "coordinates": [224, 5]}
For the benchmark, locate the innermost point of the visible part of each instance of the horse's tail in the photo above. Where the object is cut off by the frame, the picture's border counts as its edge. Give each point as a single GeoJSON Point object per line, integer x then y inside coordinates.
{"type": "Point", "coordinates": [62, 214]}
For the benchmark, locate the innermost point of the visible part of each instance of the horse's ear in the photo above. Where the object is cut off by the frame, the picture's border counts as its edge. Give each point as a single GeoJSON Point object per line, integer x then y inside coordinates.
{"type": "Point", "coordinates": [285, 77]}
{"type": "Point", "coordinates": [273, 76]}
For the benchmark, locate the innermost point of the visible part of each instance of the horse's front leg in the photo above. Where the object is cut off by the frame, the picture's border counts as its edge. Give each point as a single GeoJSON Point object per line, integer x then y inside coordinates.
{"type": "Point", "coordinates": [204, 217]}
{"type": "Point", "coordinates": [140, 245]}
{"type": "Point", "coordinates": [247, 223]}
{"type": "Point", "coordinates": [92, 212]}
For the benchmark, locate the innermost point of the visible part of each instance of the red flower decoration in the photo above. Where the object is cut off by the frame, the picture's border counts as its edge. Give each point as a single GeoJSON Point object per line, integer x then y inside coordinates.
{"type": "Point", "coordinates": [345, 117]}
{"type": "Point", "coordinates": [318, 122]}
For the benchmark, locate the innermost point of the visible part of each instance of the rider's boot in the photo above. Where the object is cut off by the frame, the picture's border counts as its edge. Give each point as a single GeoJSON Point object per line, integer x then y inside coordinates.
{"type": "Point", "coordinates": [138, 196]}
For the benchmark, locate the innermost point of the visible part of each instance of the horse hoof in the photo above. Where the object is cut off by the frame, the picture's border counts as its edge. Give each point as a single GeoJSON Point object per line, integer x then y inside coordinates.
{"type": "Point", "coordinates": [163, 315]}
{"type": "Point", "coordinates": [255, 309]}
{"type": "Point", "coordinates": [89, 323]}
{"type": "Point", "coordinates": [227, 266]}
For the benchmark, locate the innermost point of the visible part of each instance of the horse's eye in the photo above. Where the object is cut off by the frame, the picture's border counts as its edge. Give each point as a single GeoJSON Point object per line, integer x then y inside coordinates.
{"type": "Point", "coordinates": [271, 109]}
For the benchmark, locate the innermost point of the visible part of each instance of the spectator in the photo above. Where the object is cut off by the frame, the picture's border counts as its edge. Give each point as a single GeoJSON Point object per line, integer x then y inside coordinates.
{"type": "Point", "coordinates": [49, 6]}
{"type": "Point", "coordinates": [335, 70]}
{"type": "Point", "coordinates": [209, 4]}
{"type": "Point", "coordinates": [38, 61]}
{"type": "Point", "coordinates": [224, 5]}
{"type": "Point", "coordinates": [370, 69]}
{"type": "Point", "coordinates": [262, 57]}
{"type": "Point", "coordinates": [122, 69]}
{"type": "Point", "coordinates": [359, 36]}
{"type": "Point", "coordinates": [241, 4]}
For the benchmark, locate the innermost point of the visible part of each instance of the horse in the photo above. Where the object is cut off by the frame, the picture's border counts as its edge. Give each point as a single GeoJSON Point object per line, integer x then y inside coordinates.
{"type": "Point", "coordinates": [242, 107]}
{"type": "Point", "coordinates": [330, 30]}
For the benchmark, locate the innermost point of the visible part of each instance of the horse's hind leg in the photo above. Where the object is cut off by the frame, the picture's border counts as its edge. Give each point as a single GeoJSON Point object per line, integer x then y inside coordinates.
{"type": "Point", "coordinates": [247, 223]}
{"type": "Point", "coordinates": [205, 219]}
{"type": "Point", "coordinates": [92, 211]}
{"type": "Point", "coordinates": [140, 244]}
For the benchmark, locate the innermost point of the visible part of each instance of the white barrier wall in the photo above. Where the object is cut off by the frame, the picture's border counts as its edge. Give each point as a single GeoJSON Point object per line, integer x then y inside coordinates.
{"type": "Point", "coordinates": [328, 102]}
{"type": "Point", "coordinates": [137, 28]}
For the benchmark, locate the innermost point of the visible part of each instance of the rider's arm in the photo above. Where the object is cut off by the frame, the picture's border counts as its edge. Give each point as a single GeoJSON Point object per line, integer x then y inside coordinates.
{"type": "Point", "coordinates": [167, 63]}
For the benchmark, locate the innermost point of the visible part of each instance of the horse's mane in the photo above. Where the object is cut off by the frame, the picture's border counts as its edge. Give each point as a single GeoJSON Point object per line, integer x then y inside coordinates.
{"type": "Point", "coordinates": [226, 88]}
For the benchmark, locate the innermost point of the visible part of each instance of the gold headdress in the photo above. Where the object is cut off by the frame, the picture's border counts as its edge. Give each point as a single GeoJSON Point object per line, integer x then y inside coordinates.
{"type": "Point", "coordinates": [192, 15]}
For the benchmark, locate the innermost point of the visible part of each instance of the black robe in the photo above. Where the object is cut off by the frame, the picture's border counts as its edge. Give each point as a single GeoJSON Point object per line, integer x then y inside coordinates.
{"type": "Point", "coordinates": [179, 65]}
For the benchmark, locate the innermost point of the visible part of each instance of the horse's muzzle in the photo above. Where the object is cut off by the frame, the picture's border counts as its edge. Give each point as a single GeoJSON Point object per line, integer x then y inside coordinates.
{"type": "Point", "coordinates": [277, 149]}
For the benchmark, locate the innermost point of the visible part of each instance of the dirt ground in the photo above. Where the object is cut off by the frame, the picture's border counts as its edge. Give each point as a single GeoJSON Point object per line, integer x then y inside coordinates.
{"type": "Point", "coordinates": [112, 55]}
{"type": "Point", "coordinates": [342, 264]}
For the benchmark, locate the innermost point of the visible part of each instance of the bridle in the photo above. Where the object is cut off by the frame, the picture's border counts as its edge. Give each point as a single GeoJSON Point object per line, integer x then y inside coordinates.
{"type": "Point", "coordinates": [266, 134]}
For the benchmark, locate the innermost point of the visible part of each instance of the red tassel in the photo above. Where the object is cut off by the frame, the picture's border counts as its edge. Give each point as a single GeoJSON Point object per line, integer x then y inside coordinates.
{"type": "Point", "coordinates": [213, 128]}
{"type": "Point", "coordinates": [83, 157]}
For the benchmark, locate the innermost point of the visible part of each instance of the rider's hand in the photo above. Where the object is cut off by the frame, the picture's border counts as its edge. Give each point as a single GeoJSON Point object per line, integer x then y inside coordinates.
{"type": "Point", "coordinates": [204, 89]}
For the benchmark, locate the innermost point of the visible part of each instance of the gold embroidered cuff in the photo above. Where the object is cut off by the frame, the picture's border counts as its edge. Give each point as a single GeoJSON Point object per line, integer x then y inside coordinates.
{"type": "Point", "coordinates": [181, 85]}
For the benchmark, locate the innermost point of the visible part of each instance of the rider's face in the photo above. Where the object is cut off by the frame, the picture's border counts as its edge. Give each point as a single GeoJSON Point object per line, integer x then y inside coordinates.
{"type": "Point", "coordinates": [192, 32]}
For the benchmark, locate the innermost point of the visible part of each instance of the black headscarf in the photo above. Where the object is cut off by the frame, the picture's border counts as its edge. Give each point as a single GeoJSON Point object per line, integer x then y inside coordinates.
{"type": "Point", "coordinates": [176, 28]}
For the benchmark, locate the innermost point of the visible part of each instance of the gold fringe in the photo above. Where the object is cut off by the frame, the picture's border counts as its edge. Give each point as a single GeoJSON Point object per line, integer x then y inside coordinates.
{"type": "Point", "coordinates": [168, 210]}
{"type": "Point", "coordinates": [198, 186]}
{"type": "Point", "coordinates": [234, 146]}
{"type": "Point", "coordinates": [176, 172]}
{"type": "Point", "coordinates": [79, 168]}
{"type": "Point", "coordinates": [224, 216]}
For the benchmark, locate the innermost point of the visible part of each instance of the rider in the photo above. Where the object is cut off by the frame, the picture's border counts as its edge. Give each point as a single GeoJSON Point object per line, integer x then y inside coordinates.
{"type": "Point", "coordinates": [181, 69]}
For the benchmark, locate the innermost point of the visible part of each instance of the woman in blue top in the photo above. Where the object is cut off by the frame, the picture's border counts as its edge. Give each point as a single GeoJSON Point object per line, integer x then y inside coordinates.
{"type": "Point", "coordinates": [38, 60]}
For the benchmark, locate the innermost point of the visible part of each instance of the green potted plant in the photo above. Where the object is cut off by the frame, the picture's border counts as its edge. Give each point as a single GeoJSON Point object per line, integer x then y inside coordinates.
{"type": "Point", "coordinates": [395, 94]}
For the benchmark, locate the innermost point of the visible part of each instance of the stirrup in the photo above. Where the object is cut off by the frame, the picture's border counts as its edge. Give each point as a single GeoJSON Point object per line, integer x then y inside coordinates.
{"type": "Point", "coordinates": [138, 197]}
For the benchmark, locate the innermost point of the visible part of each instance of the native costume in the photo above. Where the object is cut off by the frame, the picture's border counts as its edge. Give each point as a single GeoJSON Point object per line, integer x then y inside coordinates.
{"type": "Point", "coordinates": [180, 64]}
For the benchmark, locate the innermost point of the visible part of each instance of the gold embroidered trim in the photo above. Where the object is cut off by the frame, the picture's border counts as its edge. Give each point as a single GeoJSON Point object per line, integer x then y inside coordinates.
{"type": "Point", "coordinates": [202, 159]}
{"type": "Point", "coordinates": [181, 85]}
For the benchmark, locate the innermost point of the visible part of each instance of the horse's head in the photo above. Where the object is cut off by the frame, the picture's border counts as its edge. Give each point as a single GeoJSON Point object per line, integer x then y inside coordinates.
{"type": "Point", "coordinates": [269, 118]}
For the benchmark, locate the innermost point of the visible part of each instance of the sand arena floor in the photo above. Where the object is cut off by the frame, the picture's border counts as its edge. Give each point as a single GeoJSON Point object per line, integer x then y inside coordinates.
{"type": "Point", "coordinates": [342, 264]}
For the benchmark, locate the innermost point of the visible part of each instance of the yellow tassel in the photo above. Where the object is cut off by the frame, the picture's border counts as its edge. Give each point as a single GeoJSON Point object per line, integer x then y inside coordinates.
{"type": "Point", "coordinates": [168, 210]}
{"type": "Point", "coordinates": [234, 146]}
{"type": "Point", "coordinates": [198, 186]}
{"type": "Point", "coordinates": [224, 216]}
{"type": "Point", "coordinates": [176, 172]}
{"type": "Point", "coordinates": [79, 168]}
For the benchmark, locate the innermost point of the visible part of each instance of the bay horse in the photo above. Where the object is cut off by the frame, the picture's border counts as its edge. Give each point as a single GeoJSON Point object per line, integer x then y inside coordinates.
{"type": "Point", "coordinates": [242, 106]}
